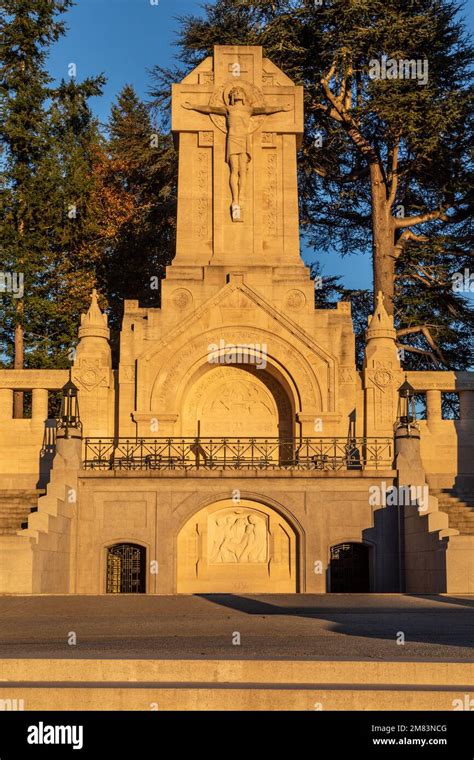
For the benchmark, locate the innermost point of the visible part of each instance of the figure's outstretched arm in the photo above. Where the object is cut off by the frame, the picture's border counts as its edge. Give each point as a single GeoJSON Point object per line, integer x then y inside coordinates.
{"type": "Point", "coordinates": [270, 109]}
{"type": "Point", "coordinates": [204, 109]}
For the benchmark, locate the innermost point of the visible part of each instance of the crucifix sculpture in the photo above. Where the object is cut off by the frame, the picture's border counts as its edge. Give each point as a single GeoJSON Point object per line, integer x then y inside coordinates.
{"type": "Point", "coordinates": [238, 112]}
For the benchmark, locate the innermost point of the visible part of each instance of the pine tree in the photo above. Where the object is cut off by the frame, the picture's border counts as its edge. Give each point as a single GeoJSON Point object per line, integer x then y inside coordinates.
{"type": "Point", "coordinates": [55, 245]}
{"type": "Point", "coordinates": [140, 190]}
{"type": "Point", "coordinates": [28, 28]}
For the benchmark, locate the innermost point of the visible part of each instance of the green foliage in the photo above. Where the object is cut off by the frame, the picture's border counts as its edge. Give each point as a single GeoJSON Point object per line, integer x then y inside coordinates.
{"type": "Point", "coordinates": [430, 123]}
{"type": "Point", "coordinates": [140, 179]}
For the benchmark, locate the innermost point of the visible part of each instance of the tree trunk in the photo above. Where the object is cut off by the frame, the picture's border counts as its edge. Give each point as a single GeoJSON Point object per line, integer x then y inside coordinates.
{"type": "Point", "coordinates": [383, 239]}
{"type": "Point", "coordinates": [19, 348]}
{"type": "Point", "coordinates": [18, 363]}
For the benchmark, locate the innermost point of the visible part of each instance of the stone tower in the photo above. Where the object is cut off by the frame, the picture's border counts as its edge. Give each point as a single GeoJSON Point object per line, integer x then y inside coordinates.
{"type": "Point", "coordinates": [237, 278]}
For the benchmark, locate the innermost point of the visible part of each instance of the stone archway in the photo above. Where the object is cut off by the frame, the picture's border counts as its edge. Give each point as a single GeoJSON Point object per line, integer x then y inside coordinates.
{"type": "Point", "coordinates": [237, 548]}
{"type": "Point", "coordinates": [237, 401]}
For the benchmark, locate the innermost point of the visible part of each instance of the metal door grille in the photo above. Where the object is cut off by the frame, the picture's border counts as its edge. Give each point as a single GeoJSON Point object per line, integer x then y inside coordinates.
{"type": "Point", "coordinates": [126, 569]}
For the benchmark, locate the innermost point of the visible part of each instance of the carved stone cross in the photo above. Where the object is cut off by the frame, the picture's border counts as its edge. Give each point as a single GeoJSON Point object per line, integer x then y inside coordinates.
{"type": "Point", "coordinates": [237, 121]}
{"type": "Point", "coordinates": [238, 111]}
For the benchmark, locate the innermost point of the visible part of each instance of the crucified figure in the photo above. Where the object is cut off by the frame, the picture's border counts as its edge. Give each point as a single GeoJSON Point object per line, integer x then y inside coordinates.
{"type": "Point", "coordinates": [238, 114]}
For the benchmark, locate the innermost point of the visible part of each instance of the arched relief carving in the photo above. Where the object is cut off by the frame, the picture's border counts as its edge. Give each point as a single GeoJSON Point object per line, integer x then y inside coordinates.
{"type": "Point", "coordinates": [294, 344]}
{"type": "Point", "coordinates": [285, 361]}
{"type": "Point", "coordinates": [237, 535]}
{"type": "Point", "coordinates": [230, 548]}
{"type": "Point", "coordinates": [189, 507]}
{"type": "Point", "coordinates": [236, 401]}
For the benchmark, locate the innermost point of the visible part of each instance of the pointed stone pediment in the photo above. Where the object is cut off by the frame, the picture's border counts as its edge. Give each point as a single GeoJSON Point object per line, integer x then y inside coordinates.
{"type": "Point", "coordinates": [238, 305]}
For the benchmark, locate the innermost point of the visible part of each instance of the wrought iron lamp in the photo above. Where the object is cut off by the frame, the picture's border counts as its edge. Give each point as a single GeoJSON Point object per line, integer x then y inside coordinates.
{"type": "Point", "coordinates": [406, 417]}
{"type": "Point", "coordinates": [69, 424]}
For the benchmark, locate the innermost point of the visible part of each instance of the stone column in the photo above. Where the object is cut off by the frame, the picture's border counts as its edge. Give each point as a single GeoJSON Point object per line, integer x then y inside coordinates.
{"type": "Point", "coordinates": [466, 403]}
{"type": "Point", "coordinates": [40, 405]}
{"type": "Point", "coordinates": [465, 478]}
{"type": "Point", "coordinates": [6, 404]}
{"type": "Point", "coordinates": [433, 408]}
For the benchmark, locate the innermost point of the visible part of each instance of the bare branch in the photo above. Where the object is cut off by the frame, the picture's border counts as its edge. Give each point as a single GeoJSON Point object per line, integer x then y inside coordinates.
{"type": "Point", "coordinates": [424, 329]}
{"type": "Point", "coordinates": [411, 221]}
{"type": "Point", "coordinates": [404, 238]}
{"type": "Point", "coordinates": [340, 114]}
{"type": "Point", "coordinates": [355, 174]}
{"type": "Point", "coordinates": [422, 351]}
{"type": "Point", "coordinates": [414, 276]}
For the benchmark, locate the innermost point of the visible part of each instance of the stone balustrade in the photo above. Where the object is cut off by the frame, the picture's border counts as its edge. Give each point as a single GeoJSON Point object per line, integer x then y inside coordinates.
{"type": "Point", "coordinates": [39, 381]}
{"type": "Point", "coordinates": [433, 384]}
{"type": "Point", "coordinates": [447, 448]}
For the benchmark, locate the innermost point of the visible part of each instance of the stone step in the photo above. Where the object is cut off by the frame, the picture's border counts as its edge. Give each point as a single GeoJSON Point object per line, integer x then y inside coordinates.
{"type": "Point", "coordinates": [452, 500]}
{"type": "Point", "coordinates": [12, 507]}
{"type": "Point", "coordinates": [456, 506]}
{"type": "Point", "coordinates": [456, 510]}
{"type": "Point", "coordinates": [253, 697]}
{"type": "Point", "coordinates": [15, 506]}
{"type": "Point", "coordinates": [21, 495]}
{"type": "Point", "coordinates": [74, 684]}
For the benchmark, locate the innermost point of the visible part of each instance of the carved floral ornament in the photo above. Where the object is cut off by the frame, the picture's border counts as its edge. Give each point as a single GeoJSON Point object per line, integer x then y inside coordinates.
{"type": "Point", "coordinates": [182, 298]}
{"type": "Point", "coordinates": [382, 377]}
{"type": "Point", "coordinates": [90, 377]}
{"type": "Point", "coordinates": [295, 300]}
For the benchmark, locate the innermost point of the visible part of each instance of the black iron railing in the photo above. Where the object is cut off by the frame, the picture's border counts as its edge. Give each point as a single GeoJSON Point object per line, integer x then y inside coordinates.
{"type": "Point", "coordinates": [237, 453]}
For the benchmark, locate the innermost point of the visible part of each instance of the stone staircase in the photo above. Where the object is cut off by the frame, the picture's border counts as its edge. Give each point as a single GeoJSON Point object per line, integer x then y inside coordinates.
{"type": "Point", "coordinates": [15, 507]}
{"type": "Point", "coordinates": [459, 506]}
{"type": "Point", "coordinates": [196, 684]}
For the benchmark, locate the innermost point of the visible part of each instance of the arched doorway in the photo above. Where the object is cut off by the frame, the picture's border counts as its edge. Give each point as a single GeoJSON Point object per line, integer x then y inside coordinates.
{"type": "Point", "coordinates": [237, 401]}
{"type": "Point", "coordinates": [237, 548]}
{"type": "Point", "coordinates": [350, 568]}
{"type": "Point", "coordinates": [126, 565]}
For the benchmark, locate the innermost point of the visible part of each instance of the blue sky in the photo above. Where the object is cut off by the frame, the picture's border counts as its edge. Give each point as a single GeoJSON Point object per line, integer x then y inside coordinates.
{"type": "Point", "coordinates": [125, 38]}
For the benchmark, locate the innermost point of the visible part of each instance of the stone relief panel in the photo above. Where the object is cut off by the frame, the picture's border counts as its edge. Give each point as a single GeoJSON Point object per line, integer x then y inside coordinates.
{"type": "Point", "coordinates": [203, 200]}
{"type": "Point", "coordinates": [231, 403]}
{"type": "Point", "coordinates": [270, 194]}
{"type": "Point", "coordinates": [236, 548]}
{"type": "Point", "coordinates": [346, 376]}
{"type": "Point", "coordinates": [237, 401]}
{"type": "Point", "coordinates": [237, 536]}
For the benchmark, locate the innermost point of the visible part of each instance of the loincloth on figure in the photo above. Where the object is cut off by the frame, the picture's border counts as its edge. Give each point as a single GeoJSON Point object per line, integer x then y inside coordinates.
{"type": "Point", "coordinates": [236, 145]}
